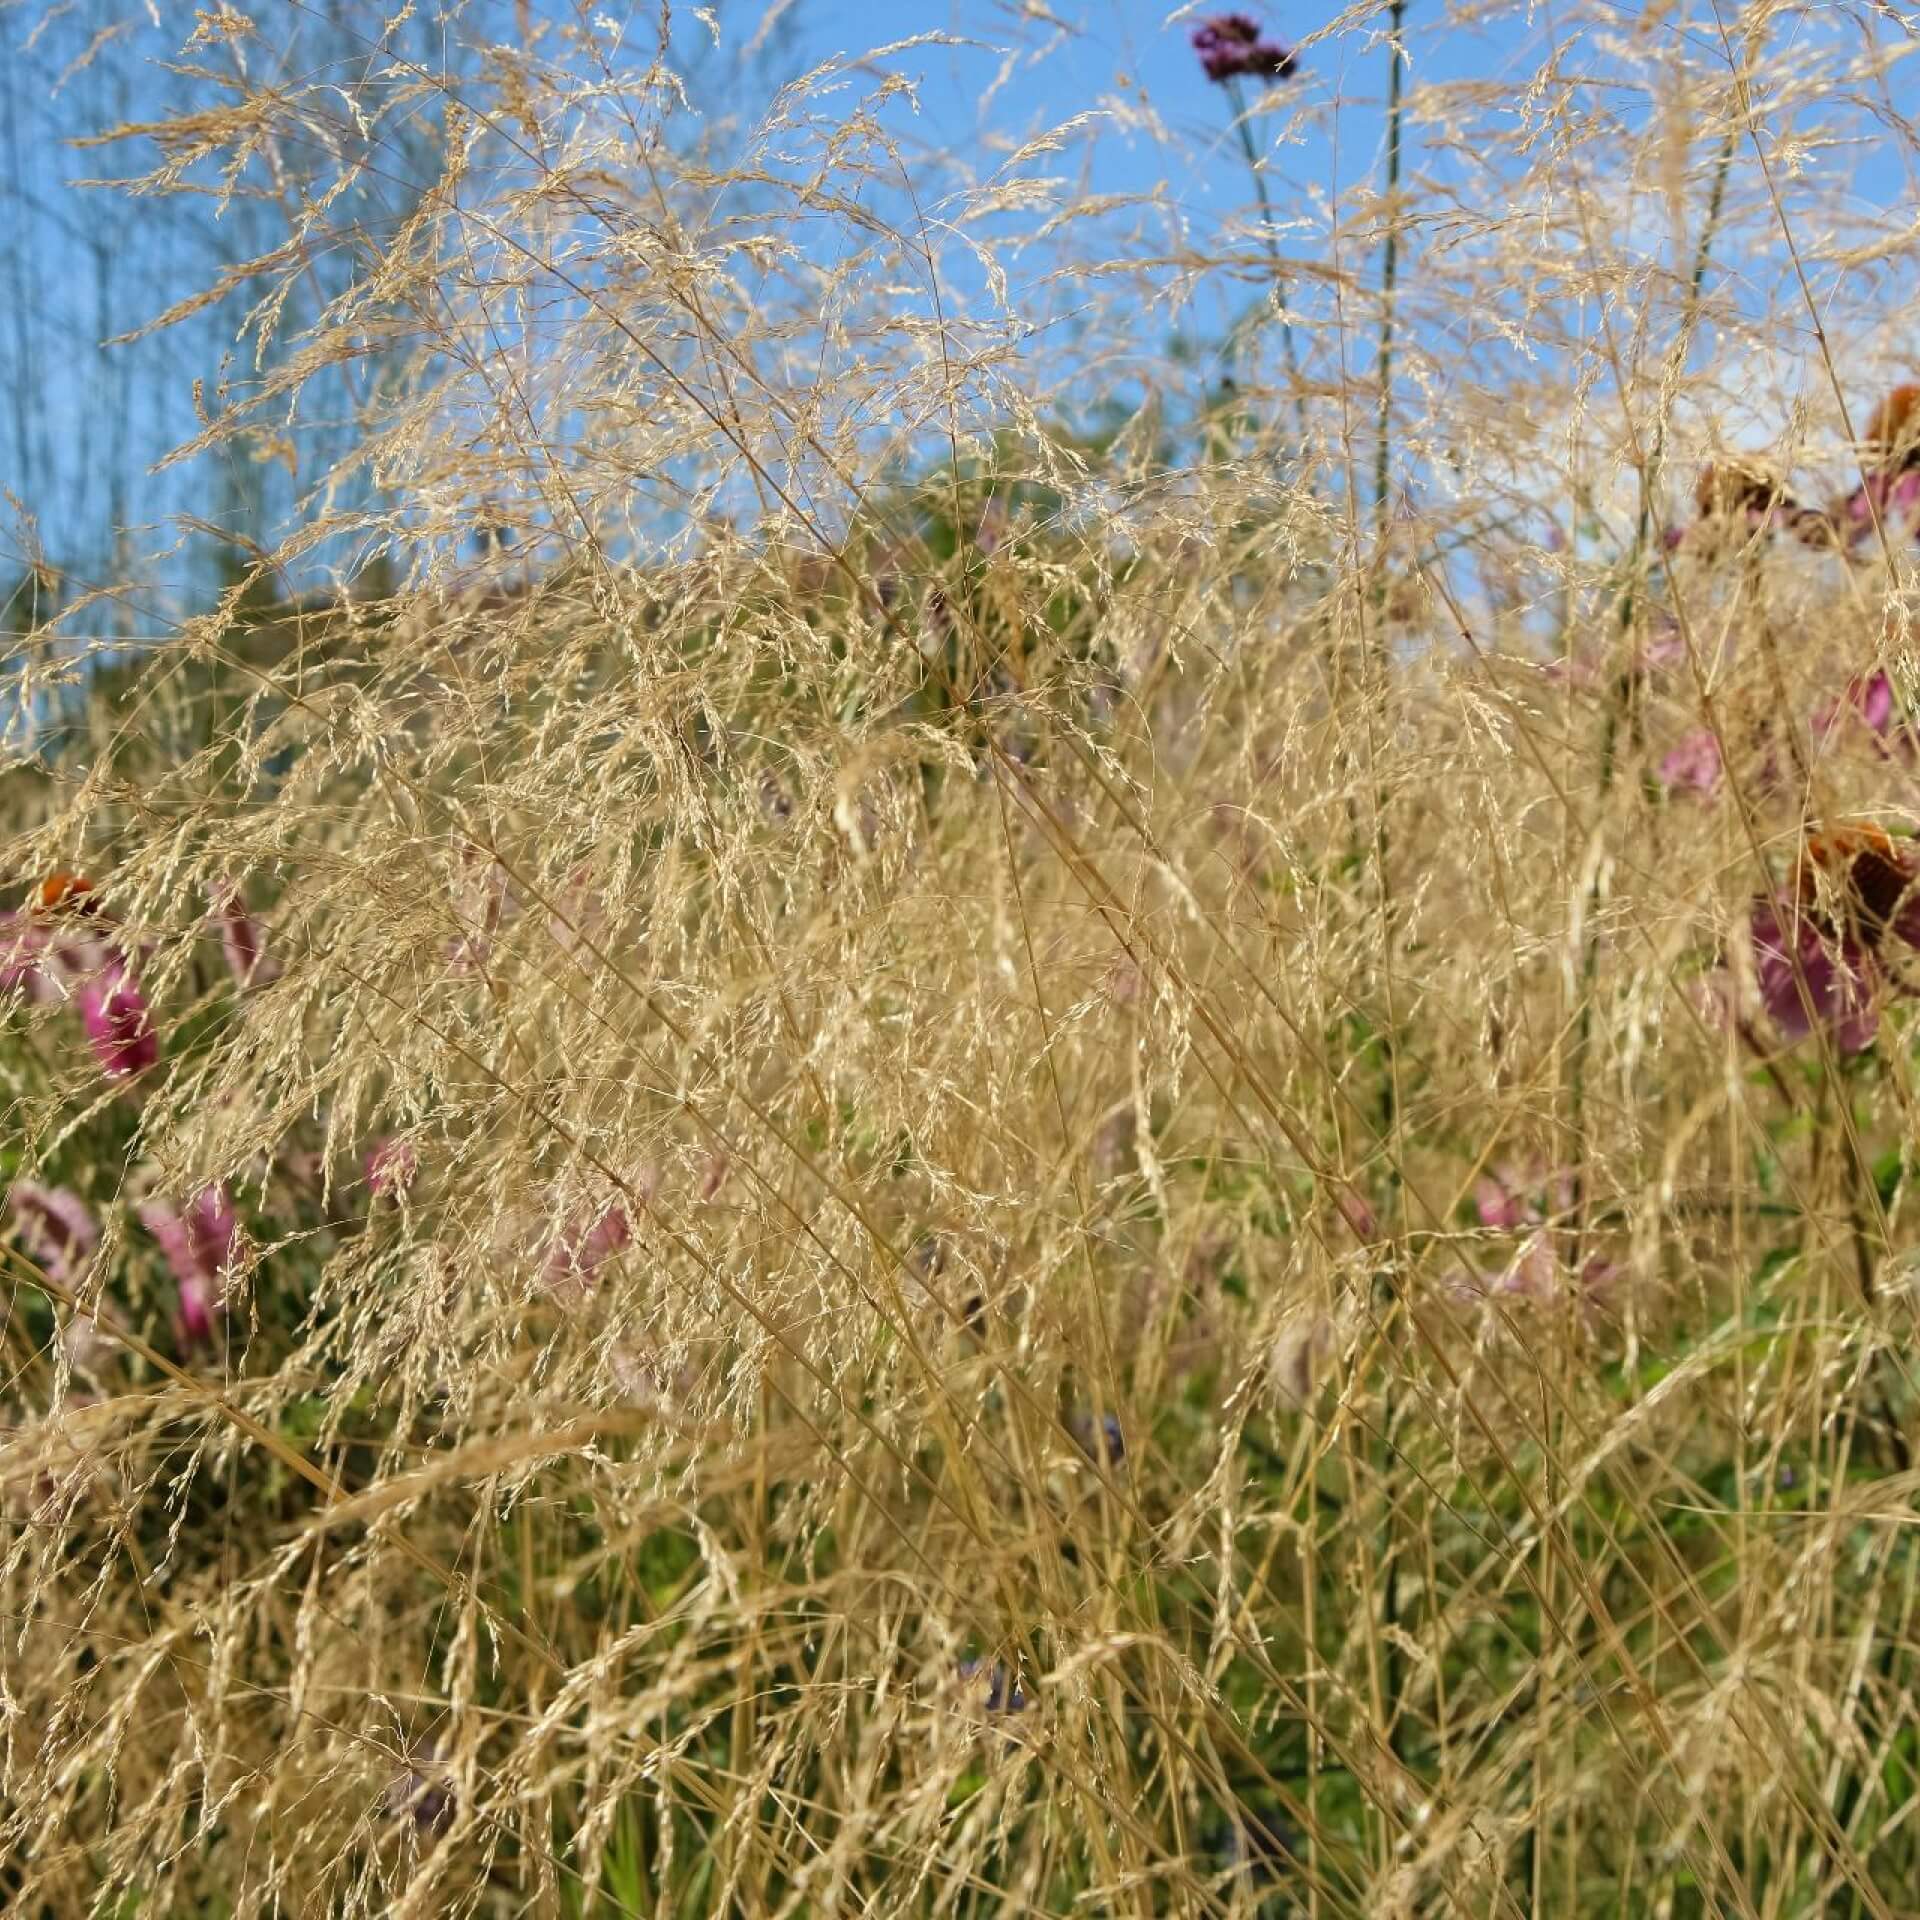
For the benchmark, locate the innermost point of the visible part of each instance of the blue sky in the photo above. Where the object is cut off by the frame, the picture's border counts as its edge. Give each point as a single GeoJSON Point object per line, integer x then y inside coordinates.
{"type": "Point", "coordinates": [82, 423]}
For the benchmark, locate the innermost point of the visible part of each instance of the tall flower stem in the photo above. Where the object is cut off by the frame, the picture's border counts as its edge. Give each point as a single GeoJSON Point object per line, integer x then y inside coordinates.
{"type": "Point", "coordinates": [1389, 1100]}
{"type": "Point", "coordinates": [1389, 259]}
{"type": "Point", "coordinates": [1243, 126]}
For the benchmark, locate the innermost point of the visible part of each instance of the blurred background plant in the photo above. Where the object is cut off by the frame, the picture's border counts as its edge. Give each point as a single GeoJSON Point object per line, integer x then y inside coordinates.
{"type": "Point", "coordinates": [860, 1064]}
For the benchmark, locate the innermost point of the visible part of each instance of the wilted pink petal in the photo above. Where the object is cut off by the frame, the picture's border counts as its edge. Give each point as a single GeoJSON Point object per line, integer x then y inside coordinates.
{"type": "Point", "coordinates": [1300, 1353]}
{"type": "Point", "coordinates": [1711, 997]}
{"type": "Point", "coordinates": [1597, 1275]}
{"type": "Point", "coordinates": [586, 1245]}
{"type": "Point", "coordinates": [1499, 1206]}
{"type": "Point", "coordinates": [483, 900]}
{"type": "Point", "coordinates": [1693, 766]}
{"type": "Point", "coordinates": [1874, 697]}
{"type": "Point", "coordinates": [1893, 498]}
{"type": "Point", "coordinates": [715, 1176]}
{"type": "Point", "coordinates": [199, 1244]}
{"type": "Point", "coordinates": [1534, 1272]}
{"type": "Point", "coordinates": [1666, 650]}
{"type": "Point", "coordinates": [1868, 702]}
{"type": "Point", "coordinates": [114, 1012]}
{"type": "Point", "coordinates": [391, 1167]}
{"type": "Point", "coordinates": [24, 956]}
{"type": "Point", "coordinates": [55, 1228]}
{"type": "Point", "coordinates": [992, 529]}
{"type": "Point", "coordinates": [579, 918]}
{"type": "Point", "coordinates": [650, 1380]}
{"type": "Point", "coordinates": [1838, 978]}
{"type": "Point", "coordinates": [243, 939]}
{"type": "Point", "coordinates": [87, 1347]}
{"type": "Point", "coordinates": [1357, 1214]}
{"type": "Point", "coordinates": [198, 1304]}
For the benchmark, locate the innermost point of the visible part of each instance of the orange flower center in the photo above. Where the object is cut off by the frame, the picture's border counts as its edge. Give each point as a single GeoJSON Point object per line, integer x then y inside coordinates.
{"type": "Point", "coordinates": [63, 893]}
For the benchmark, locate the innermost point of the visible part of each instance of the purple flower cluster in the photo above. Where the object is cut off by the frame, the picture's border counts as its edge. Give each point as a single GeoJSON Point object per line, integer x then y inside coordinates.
{"type": "Point", "coordinates": [1232, 47]}
{"type": "Point", "coordinates": [1839, 940]}
{"type": "Point", "coordinates": [64, 954]}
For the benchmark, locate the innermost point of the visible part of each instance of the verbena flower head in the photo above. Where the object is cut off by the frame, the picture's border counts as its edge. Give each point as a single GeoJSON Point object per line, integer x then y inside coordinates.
{"type": "Point", "coordinates": [1231, 47]}
{"type": "Point", "coordinates": [1890, 496]}
{"type": "Point", "coordinates": [24, 953]}
{"type": "Point", "coordinates": [1839, 987]}
{"type": "Point", "coordinates": [591, 1237]}
{"type": "Point", "coordinates": [422, 1792]}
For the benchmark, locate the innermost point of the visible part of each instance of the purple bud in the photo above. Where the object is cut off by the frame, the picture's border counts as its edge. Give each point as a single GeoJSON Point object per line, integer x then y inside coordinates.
{"type": "Point", "coordinates": [1097, 1437]}
{"type": "Point", "coordinates": [242, 938]}
{"type": "Point", "coordinates": [1004, 1694]}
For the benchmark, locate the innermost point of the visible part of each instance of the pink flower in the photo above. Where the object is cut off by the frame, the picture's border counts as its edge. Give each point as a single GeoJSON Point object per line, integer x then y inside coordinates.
{"type": "Point", "coordinates": [24, 954]}
{"type": "Point", "coordinates": [1693, 765]}
{"type": "Point", "coordinates": [587, 1244]}
{"type": "Point", "coordinates": [1892, 498]}
{"type": "Point", "coordinates": [1534, 1271]}
{"type": "Point", "coordinates": [391, 1166]}
{"type": "Point", "coordinates": [1839, 976]}
{"type": "Point", "coordinates": [1499, 1207]}
{"type": "Point", "coordinates": [1868, 701]}
{"type": "Point", "coordinates": [1740, 500]}
{"type": "Point", "coordinates": [1538, 1273]}
{"type": "Point", "coordinates": [1854, 896]}
{"type": "Point", "coordinates": [242, 939]}
{"type": "Point", "coordinates": [114, 1012]}
{"type": "Point", "coordinates": [1512, 1197]}
{"type": "Point", "coordinates": [54, 957]}
{"type": "Point", "coordinates": [55, 1228]}
{"type": "Point", "coordinates": [200, 1245]}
